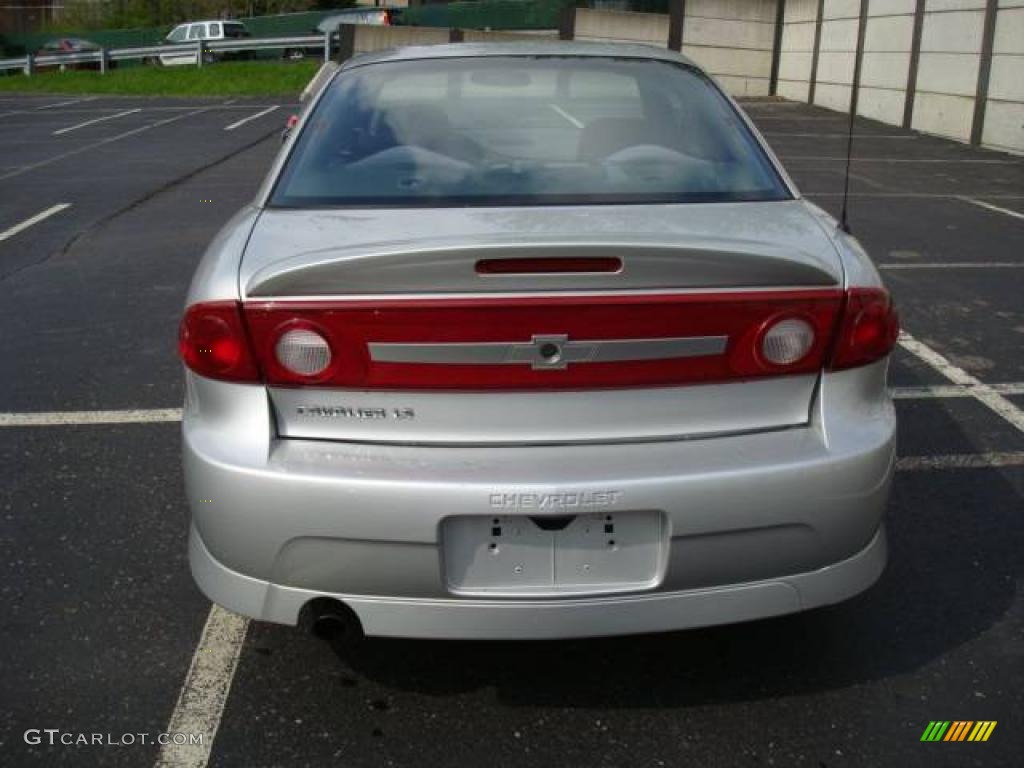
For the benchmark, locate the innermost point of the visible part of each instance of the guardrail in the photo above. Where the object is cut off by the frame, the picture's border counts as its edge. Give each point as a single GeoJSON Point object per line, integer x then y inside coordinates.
{"type": "Point", "coordinates": [204, 51]}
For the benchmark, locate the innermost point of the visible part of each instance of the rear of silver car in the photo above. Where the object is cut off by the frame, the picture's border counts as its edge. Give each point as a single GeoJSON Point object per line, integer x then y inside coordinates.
{"type": "Point", "coordinates": [534, 420]}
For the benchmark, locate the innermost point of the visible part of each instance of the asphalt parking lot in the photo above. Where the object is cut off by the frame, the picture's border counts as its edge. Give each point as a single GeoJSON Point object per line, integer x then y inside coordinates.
{"type": "Point", "coordinates": [102, 630]}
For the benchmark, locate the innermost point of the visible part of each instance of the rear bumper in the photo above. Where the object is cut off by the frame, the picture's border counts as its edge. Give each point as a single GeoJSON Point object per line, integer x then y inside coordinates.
{"type": "Point", "coordinates": [550, 619]}
{"type": "Point", "coordinates": [758, 525]}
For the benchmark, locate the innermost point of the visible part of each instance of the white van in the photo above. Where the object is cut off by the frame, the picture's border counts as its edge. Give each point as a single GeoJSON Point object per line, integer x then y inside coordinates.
{"type": "Point", "coordinates": [194, 31]}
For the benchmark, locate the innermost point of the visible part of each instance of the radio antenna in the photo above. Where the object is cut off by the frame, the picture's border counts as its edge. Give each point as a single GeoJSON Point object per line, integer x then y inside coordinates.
{"type": "Point", "coordinates": [844, 224]}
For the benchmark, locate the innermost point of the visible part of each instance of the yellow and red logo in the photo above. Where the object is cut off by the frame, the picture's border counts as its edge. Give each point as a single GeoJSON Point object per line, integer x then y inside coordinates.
{"type": "Point", "coordinates": [958, 730]}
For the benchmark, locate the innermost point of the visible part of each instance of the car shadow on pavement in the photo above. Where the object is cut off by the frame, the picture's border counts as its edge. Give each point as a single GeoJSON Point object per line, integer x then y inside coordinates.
{"type": "Point", "coordinates": [956, 539]}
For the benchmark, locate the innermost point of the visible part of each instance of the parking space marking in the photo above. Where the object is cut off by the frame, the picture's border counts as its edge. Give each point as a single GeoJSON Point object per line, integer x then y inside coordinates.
{"type": "Point", "coordinates": [100, 143]}
{"type": "Point", "coordinates": [961, 461]}
{"type": "Point", "coordinates": [73, 418]}
{"type": "Point", "coordinates": [96, 120]}
{"type": "Point", "coordinates": [912, 195]}
{"type": "Point", "coordinates": [201, 701]}
{"type": "Point", "coordinates": [572, 120]}
{"type": "Point", "coordinates": [245, 120]}
{"type": "Point", "coordinates": [956, 265]}
{"type": "Point", "coordinates": [996, 208]}
{"type": "Point", "coordinates": [979, 390]}
{"type": "Point", "coordinates": [902, 136]}
{"type": "Point", "coordinates": [163, 415]}
{"type": "Point", "coordinates": [52, 210]}
{"type": "Point", "coordinates": [939, 391]}
{"type": "Point", "coordinates": [887, 160]}
{"type": "Point", "coordinates": [65, 103]}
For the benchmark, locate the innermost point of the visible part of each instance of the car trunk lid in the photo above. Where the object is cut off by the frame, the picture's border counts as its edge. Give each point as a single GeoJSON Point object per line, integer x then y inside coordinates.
{"type": "Point", "coordinates": [508, 326]}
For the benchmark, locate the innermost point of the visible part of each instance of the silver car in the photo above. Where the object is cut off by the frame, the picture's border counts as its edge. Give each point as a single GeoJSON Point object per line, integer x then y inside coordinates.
{"type": "Point", "coordinates": [534, 341]}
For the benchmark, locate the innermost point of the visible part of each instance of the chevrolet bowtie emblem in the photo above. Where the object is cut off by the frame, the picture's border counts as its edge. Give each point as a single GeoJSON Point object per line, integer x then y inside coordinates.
{"type": "Point", "coordinates": [552, 352]}
{"type": "Point", "coordinates": [548, 352]}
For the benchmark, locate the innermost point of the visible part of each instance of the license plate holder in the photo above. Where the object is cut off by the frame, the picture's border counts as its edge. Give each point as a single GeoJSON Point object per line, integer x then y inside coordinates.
{"type": "Point", "coordinates": [593, 552]}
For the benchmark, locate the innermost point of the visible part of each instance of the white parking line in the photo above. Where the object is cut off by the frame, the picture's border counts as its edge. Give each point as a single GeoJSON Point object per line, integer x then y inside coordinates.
{"type": "Point", "coordinates": [72, 418]}
{"type": "Point", "coordinates": [572, 120]}
{"type": "Point", "coordinates": [939, 391]}
{"type": "Point", "coordinates": [245, 120]}
{"type": "Point", "coordinates": [980, 391]}
{"type": "Point", "coordinates": [100, 143]}
{"type": "Point", "coordinates": [900, 136]}
{"type": "Point", "coordinates": [205, 690]}
{"type": "Point", "coordinates": [33, 220]}
{"type": "Point", "coordinates": [956, 265]}
{"type": "Point", "coordinates": [887, 160]}
{"type": "Point", "coordinates": [961, 461]}
{"type": "Point", "coordinates": [996, 208]}
{"type": "Point", "coordinates": [161, 415]}
{"type": "Point", "coordinates": [65, 103]}
{"type": "Point", "coordinates": [912, 195]}
{"type": "Point", "coordinates": [96, 120]}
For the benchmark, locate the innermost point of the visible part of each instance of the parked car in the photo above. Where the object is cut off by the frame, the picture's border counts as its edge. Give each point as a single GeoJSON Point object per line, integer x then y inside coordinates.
{"type": "Point", "coordinates": [68, 46]}
{"type": "Point", "coordinates": [533, 342]}
{"type": "Point", "coordinates": [194, 31]}
{"type": "Point", "coordinates": [376, 17]}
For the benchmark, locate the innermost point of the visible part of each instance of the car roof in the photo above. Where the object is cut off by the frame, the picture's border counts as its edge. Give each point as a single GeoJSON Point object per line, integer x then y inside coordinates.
{"type": "Point", "coordinates": [544, 48]}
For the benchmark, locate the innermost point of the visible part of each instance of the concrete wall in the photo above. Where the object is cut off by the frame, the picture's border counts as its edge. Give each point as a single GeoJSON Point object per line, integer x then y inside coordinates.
{"type": "Point", "coordinates": [886, 60]}
{"type": "Point", "coordinates": [368, 38]}
{"type": "Point", "coordinates": [1004, 110]}
{"type": "Point", "coordinates": [946, 85]}
{"type": "Point", "coordinates": [732, 40]}
{"type": "Point", "coordinates": [839, 22]}
{"type": "Point", "coordinates": [622, 27]}
{"type": "Point", "coordinates": [482, 36]}
{"type": "Point", "coordinates": [947, 75]}
{"type": "Point", "coordinates": [797, 52]}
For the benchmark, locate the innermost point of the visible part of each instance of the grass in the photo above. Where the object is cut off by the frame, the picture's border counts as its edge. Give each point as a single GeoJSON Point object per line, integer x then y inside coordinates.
{"type": "Point", "coordinates": [226, 78]}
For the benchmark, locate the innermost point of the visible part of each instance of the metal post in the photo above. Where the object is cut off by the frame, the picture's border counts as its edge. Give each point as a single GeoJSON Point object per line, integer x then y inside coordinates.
{"type": "Point", "coordinates": [780, 23]}
{"type": "Point", "coordinates": [346, 42]}
{"type": "Point", "coordinates": [327, 46]}
{"type": "Point", "coordinates": [199, 55]}
{"type": "Point", "coordinates": [567, 23]}
{"type": "Point", "coordinates": [915, 57]}
{"type": "Point", "coordinates": [817, 50]}
{"type": "Point", "coordinates": [984, 71]}
{"type": "Point", "coordinates": [103, 61]}
{"type": "Point", "coordinates": [676, 17]}
{"type": "Point", "coordinates": [858, 59]}
{"type": "Point", "coordinates": [30, 65]}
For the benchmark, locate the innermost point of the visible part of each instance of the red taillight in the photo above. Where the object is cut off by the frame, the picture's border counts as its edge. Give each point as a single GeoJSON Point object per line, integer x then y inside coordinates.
{"type": "Point", "coordinates": [868, 331]}
{"type": "Point", "coordinates": [213, 343]}
{"type": "Point", "coordinates": [499, 343]}
{"type": "Point", "coordinates": [769, 333]}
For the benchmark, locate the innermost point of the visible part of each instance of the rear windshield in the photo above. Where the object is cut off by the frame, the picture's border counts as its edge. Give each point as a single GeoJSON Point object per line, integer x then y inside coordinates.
{"type": "Point", "coordinates": [523, 130]}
